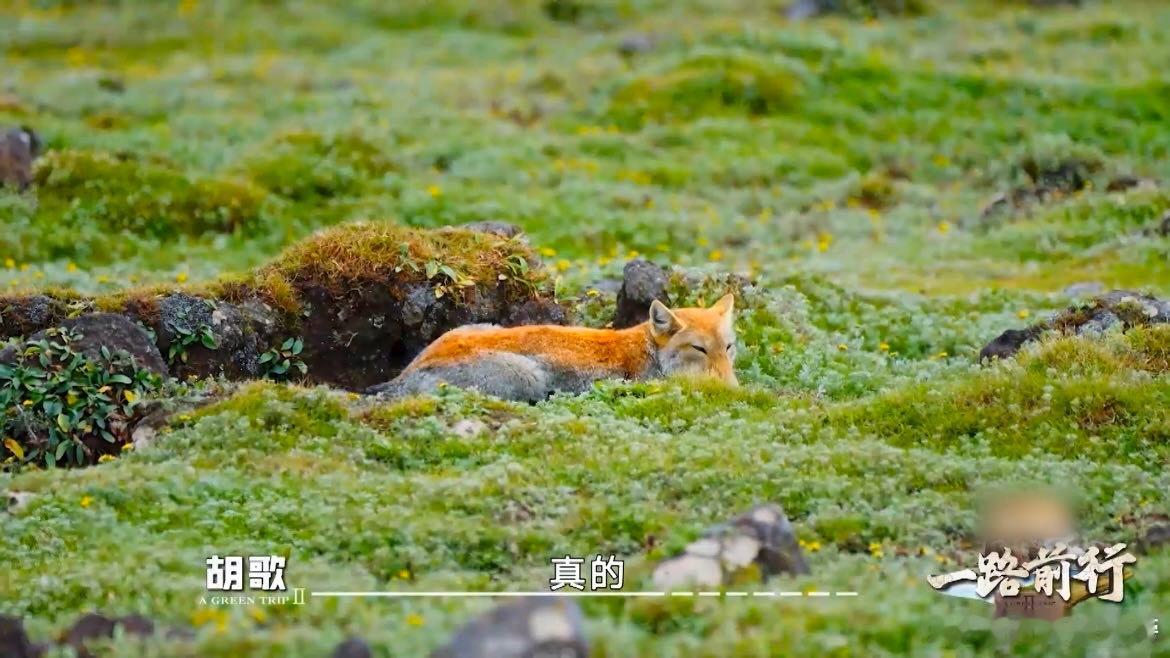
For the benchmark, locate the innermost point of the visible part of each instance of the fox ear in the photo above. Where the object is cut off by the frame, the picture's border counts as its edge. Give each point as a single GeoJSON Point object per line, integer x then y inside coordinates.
{"type": "Point", "coordinates": [725, 305]}
{"type": "Point", "coordinates": [663, 322]}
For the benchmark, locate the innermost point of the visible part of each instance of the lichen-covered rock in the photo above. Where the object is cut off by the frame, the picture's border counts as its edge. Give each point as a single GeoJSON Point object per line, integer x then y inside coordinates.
{"type": "Point", "coordinates": [761, 539]}
{"type": "Point", "coordinates": [27, 314]}
{"type": "Point", "coordinates": [1122, 308]}
{"type": "Point", "coordinates": [528, 628]}
{"type": "Point", "coordinates": [642, 283]}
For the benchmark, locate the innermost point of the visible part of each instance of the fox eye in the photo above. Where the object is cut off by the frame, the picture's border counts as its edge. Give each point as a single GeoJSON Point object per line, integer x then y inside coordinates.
{"type": "Point", "coordinates": [730, 346]}
{"type": "Point", "coordinates": [700, 348]}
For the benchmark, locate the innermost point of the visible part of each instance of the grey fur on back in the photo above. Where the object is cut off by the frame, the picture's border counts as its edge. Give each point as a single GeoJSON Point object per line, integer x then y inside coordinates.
{"type": "Point", "coordinates": [502, 374]}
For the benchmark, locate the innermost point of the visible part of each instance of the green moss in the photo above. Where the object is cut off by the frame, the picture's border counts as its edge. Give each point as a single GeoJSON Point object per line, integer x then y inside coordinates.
{"type": "Point", "coordinates": [305, 165]}
{"type": "Point", "coordinates": [1069, 398]}
{"type": "Point", "coordinates": [104, 205]}
{"type": "Point", "coordinates": [709, 84]}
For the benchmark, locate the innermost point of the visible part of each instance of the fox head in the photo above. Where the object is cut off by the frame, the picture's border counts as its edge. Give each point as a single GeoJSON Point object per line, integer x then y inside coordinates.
{"type": "Point", "coordinates": [696, 341]}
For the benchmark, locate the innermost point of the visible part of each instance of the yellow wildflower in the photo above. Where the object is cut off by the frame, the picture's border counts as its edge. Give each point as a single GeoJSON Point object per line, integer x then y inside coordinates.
{"type": "Point", "coordinates": [9, 263]}
{"type": "Point", "coordinates": [944, 227]}
{"type": "Point", "coordinates": [716, 255]}
{"type": "Point", "coordinates": [1023, 313]}
{"type": "Point", "coordinates": [548, 252]}
{"type": "Point", "coordinates": [884, 346]}
{"type": "Point", "coordinates": [414, 619]}
{"type": "Point", "coordinates": [106, 458]}
{"type": "Point", "coordinates": [70, 267]}
{"type": "Point", "coordinates": [86, 501]}
{"type": "Point", "coordinates": [181, 277]}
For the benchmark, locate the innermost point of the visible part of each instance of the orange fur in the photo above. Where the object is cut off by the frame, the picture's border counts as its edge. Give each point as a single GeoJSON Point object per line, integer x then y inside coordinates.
{"type": "Point", "coordinates": [620, 351]}
{"type": "Point", "coordinates": [697, 340]}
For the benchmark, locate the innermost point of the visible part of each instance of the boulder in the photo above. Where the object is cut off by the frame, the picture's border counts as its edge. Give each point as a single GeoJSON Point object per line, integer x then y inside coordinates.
{"type": "Point", "coordinates": [114, 332]}
{"type": "Point", "coordinates": [527, 628]}
{"type": "Point", "coordinates": [1122, 308]}
{"type": "Point", "coordinates": [19, 147]}
{"type": "Point", "coordinates": [642, 283]}
{"type": "Point", "coordinates": [762, 538]}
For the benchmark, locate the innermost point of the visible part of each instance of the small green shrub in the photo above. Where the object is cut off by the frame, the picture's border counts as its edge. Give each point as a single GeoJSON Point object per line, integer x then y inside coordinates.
{"type": "Point", "coordinates": [279, 361]}
{"type": "Point", "coordinates": [116, 193]}
{"type": "Point", "coordinates": [874, 8]}
{"type": "Point", "coordinates": [306, 165]}
{"type": "Point", "coordinates": [186, 337]}
{"type": "Point", "coordinates": [715, 83]}
{"type": "Point", "coordinates": [64, 407]}
{"type": "Point", "coordinates": [1056, 162]}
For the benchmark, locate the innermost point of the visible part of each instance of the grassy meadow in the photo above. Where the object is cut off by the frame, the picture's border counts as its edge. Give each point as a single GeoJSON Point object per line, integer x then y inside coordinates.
{"type": "Point", "coordinates": [839, 164]}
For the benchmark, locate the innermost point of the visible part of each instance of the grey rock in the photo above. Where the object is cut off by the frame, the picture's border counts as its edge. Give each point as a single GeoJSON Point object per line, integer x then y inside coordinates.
{"type": "Point", "coordinates": [114, 332]}
{"type": "Point", "coordinates": [14, 642]}
{"type": "Point", "coordinates": [1118, 308]}
{"type": "Point", "coordinates": [762, 537]}
{"type": "Point", "coordinates": [536, 627]}
{"type": "Point", "coordinates": [1127, 182]}
{"type": "Point", "coordinates": [19, 147]}
{"type": "Point", "coordinates": [502, 229]}
{"type": "Point", "coordinates": [1157, 537]}
{"type": "Point", "coordinates": [1085, 288]}
{"type": "Point", "coordinates": [353, 648]}
{"type": "Point", "coordinates": [635, 44]}
{"type": "Point", "coordinates": [642, 283]}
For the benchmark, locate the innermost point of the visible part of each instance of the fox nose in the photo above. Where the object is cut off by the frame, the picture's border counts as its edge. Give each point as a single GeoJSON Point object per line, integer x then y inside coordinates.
{"type": "Point", "coordinates": [725, 371]}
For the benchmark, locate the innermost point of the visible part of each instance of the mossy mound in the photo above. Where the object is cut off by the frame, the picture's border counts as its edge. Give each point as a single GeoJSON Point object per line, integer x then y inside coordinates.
{"type": "Point", "coordinates": [1056, 162]}
{"type": "Point", "coordinates": [861, 9]}
{"type": "Point", "coordinates": [1071, 397]}
{"type": "Point", "coordinates": [104, 205]}
{"type": "Point", "coordinates": [709, 84]}
{"type": "Point", "coordinates": [306, 165]}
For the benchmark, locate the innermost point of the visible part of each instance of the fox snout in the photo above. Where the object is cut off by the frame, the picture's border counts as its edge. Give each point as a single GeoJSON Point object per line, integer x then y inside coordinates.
{"type": "Point", "coordinates": [696, 341]}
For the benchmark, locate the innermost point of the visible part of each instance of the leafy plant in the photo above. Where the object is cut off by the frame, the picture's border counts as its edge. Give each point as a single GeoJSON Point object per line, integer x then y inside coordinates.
{"type": "Point", "coordinates": [278, 361]}
{"type": "Point", "coordinates": [60, 405]}
{"type": "Point", "coordinates": [186, 337]}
